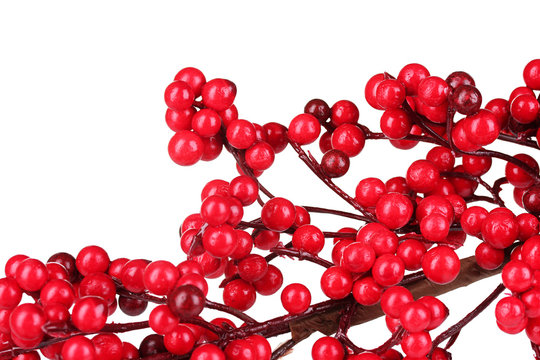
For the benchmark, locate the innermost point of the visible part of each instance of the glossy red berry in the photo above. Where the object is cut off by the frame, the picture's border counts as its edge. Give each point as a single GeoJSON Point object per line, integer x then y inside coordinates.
{"type": "Point", "coordinates": [411, 253]}
{"type": "Point", "coordinates": [500, 230]}
{"type": "Point", "coordinates": [60, 292]}
{"type": "Point", "coordinates": [422, 176]}
{"type": "Point", "coordinates": [368, 191]}
{"type": "Point", "coordinates": [336, 282]}
{"type": "Point", "coordinates": [241, 134]}
{"type": "Point", "coordinates": [318, 108]}
{"type": "Point", "coordinates": [344, 111]}
{"type": "Point", "coordinates": [439, 312]}
{"type": "Point", "coordinates": [394, 299]}
{"type": "Point", "coordinates": [186, 148]}
{"type": "Point", "coordinates": [501, 109]}
{"type": "Point", "coordinates": [78, 348]}
{"type": "Point", "coordinates": [335, 163]}
{"type": "Point", "coordinates": [395, 124]}
{"type": "Point", "coordinates": [366, 291]}
{"type": "Point", "coordinates": [239, 294]}
{"type": "Point", "coordinates": [278, 214]}
{"type": "Point", "coordinates": [270, 283]}
{"type": "Point", "coordinates": [178, 120]}
{"type": "Point", "coordinates": [531, 74]}
{"type": "Point", "coordinates": [244, 189]}
{"type": "Point", "coordinates": [388, 270]}
{"type": "Point", "coordinates": [186, 301]}
{"type": "Point", "coordinates": [308, 238]}
{"type": "Point", "coordinates": [487, 257]}
{"type": "Point", "coordinates": [31, 275]}
{"type": "Point", "coordinates": [89, 314]}
{"type": "Point", "coordinates": [466, 99]}
{"type": "Point", "coordinates": [476, 165]}
{"type": "Point", "coordinates": [193, 77]}
{"type": "Point", "coordinates": [208, 352]}
{"type": "Point", "coordinates": [415, 317]}
{"type": "Point", "coordinates": [458, 78]}
{"type": "Point", "coordinates": [411, 75]}
{"type": "Point", "coordinates": [394, 210]}
{"type": "Point", "coordinates": [509, 311]}
{"type": "Point", "coordinates": [435, 227]}
{"type": "Point", "coordinates": [441, 265]}
{"type": "Point", "coordinates": [295, 298]}
{"type": "Point", "coordinates": [416, 345]}
{"type": "Point", "coordinates": [390, 94]}
{"type": "Point", "coordinates": [218, 94]}
{"type": "Point", "coordinates": [371, 90]}
{"type": "Point", "coordinates": [26, 321]}
{"type": "Point", "coordinates": [358, 257]}
{"type": "Point", "coordinates": [262, 347]}
{"type": "Point", "coordinates": [10, 294]}
{"type": "Point", "coordinates": [482, 128]}
{"type": "Point", "coordinates": [260, 156]}
{"type": "Point", "coordinates": [304, 129]}
{"type": "Point", "coordinates": [327, 348]}
{"type": "Point", "coordinates": [180, 340]}
{"type": "Point", "coordinates": [518, 176]}
{"type": "Point", "coordinates": [220, 241]}
{"type": "Point", "coordinates": [524, 109]}
{"type": "Point", "coordinates": [160, 277]}
{"type": "Point", "coordinates": [517, 276]}
{"type": "Point", "coordinates": [276, 136]}
{"type": "Point", "coordinates": [162, 320]}
{"type": "Point", "coordinates": [433, 91]}
{"type": "Point", "coordinates": [179, 95]}
{"type": "Point", "coordinates": [252, 268]}
{"type": "Point", "coordinates": [349, 139]}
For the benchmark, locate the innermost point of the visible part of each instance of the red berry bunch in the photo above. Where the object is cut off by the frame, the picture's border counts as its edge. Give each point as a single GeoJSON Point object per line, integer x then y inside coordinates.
{"type": "Point", "coordinates": [396, 262]}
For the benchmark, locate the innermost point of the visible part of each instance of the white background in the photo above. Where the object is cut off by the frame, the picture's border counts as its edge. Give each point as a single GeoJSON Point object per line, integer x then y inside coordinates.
{"type": "Point", "coordinates": [83, 141]}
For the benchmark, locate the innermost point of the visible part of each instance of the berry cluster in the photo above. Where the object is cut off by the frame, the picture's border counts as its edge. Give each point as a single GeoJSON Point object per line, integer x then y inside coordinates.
{"type": "Point", "coordinates": [395, 264]}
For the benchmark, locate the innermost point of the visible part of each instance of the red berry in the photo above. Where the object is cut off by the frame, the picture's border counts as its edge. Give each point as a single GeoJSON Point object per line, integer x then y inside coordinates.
{"type": "Point", "coordinates": [10, 293]}
{"type": "Point", "coordinates": [411, 253]}
{"type": "Point", "coordinates": [276, 136]}
{"type": "Point", "coordinates": [336, 282]}
{"type": "Point", "coordinates": [481, 128]}
{"type": "Point", "coordinates": [78, 348]}
{"type": "Point", "coordinates": [278, 214]}
{"type": "Point", "coordinates": [162, 320]}
{"type": "Point", "coordinates": [61, 292]}
{"type": "Point", "coordinates": [458, 78]}
{"type": "Point", "coordinates": [179, 95]}
{"type": "Point", "coordinates": [108, 347]}
{"type": "Point", "coordinates": [422, 176]}
{"type": "Point", "coordinates": [208, 352]}
{"type": "Point", "coordinates": [394, 210]}
{"type": "Point", "coordinates": [160, 277]}
{"type": "Point", "coordinates": [531, 74]}
{"type": "Point", "coordinates": [415, 317]}
{"type": "Point", "coordinates": [500, 230]}
{"type": "Point", "coordinates": [89, 314]}
{"type": "Point", "coordinates": [517, 276]}
{"type": "Point", "coordinates": [366, 291]}
{"type": "Point", "coordinates": [441, 265]}
{"type": "Point", "coordinates": [304, 129]}
{"type": "Point", "coordinates": [395, 124]}
{"type": "Point", "coordinates": [394, 299]}
{"type": "Point", "coordinates": [31, 275]}
{"type": "Point", "coordinates": [239, 294]}
{"type": "Point", "coordinates": [439, 312]}
{"type": "Point", "coordinates": [524, 109]}
{"type": "Point", "coordinates": [335, 163]}
{"type": "Point", "coordinates": [318, 108]}
{"type": "Point", "coordinates": [435, 227]}
{"type": "Point", "coordinates": [501, 109]}
{"type": "Point", "coordinates": [466, 99]}
{"type": "Point", "coordinates": [220, 241]}
{"type": "Point", "coordinates": [476, 165]}
{"type": "Point", "coordinates": [416, 345]}
{"type": "Point", "coordinates": [371, 90]}
{"type": "Point", "coordinates": [241, 134]}
{"type": "Point", "coordinates": [369, 190]}
{"type": "Point", "coordinates": [433, 91]}
{"type": "Point", "coordinates": [388, 270]}
{"type": "Point", "coordinates": [186, 148]}
{"type": "Point", "coordinates": [26, 321]}
{"type": "Point", "coordinates": [218, 94]}
{"type": "Point", "coordinates": [358, 257]}
{"type": "Point", "coordinates": [244, 189]}
{"type": "Point", "coordinates": [348, 138]}
{"type": "Point", "coordinates": [509, 311]}
{"type": "Point", "coordinates": [270, 283]}
{"type": "Point", "coordinates": [308, 238]}
{"type": "Point", "coordinates": [252, 268]}
{"type": "Point", "coordinates": [181, 119]}
{"type": "Point", "coordinates": [518, 176]}
{"type": "Point", "coordinates": [180, 340]}
{"type": "Point", "coordinates": [295, 298]}
{"type": "Point", "coordinates": [487, 257]}
{"type": "Point", "coordinates": [411, 75]}
{"type": "Point", "coordinates": [344, 111]}
{"type": "Point", "coordinates": [186, 301]}
{"type": "Point", "coordinates": [327, 348]}
{"type": "Point", "coordinates": [262, 347]}
{"type": "Point", "coordinates": [528, 226]}
{"type": "Point", "coordinates": [260, 156]}
{"type": "Point", "coordinates": [472, 220]}
{"type": "Point", "coordinates": [390, 94]}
